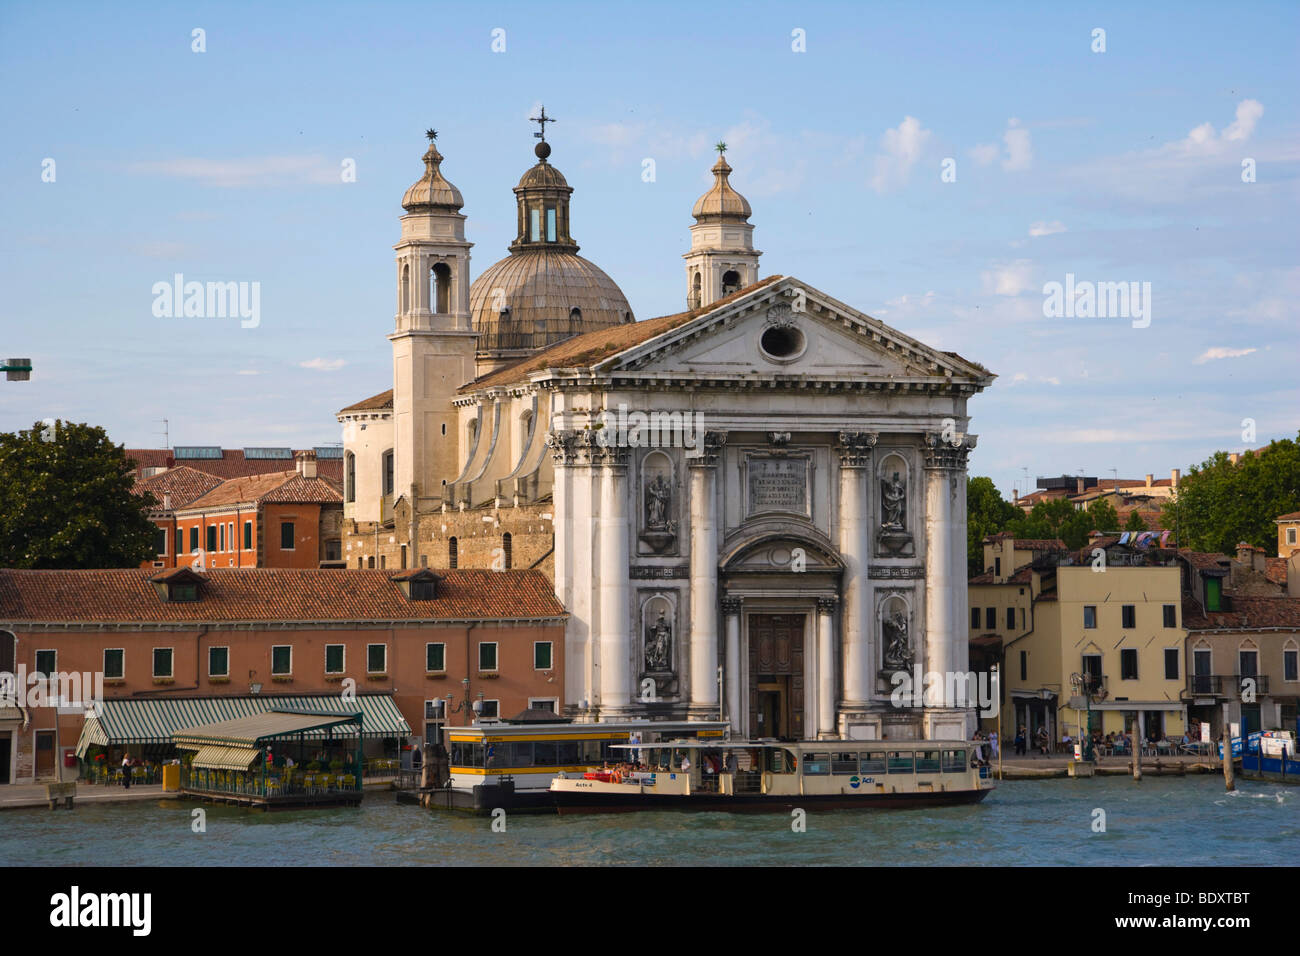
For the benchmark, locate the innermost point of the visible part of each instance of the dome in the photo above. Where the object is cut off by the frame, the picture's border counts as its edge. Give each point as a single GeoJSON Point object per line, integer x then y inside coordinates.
{"type": "Point", "coordinates": [432, 191]}
{"type": "Point", "coordinates": [721, 202]}
{"type": "Point", "coordinates": [543, 174]}
{"type": "Point", "coordinates": [537, 297]}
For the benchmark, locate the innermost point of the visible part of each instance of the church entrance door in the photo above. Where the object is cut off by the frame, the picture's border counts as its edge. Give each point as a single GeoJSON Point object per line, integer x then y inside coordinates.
{"type": "Point", "coordinates": [776, 675]}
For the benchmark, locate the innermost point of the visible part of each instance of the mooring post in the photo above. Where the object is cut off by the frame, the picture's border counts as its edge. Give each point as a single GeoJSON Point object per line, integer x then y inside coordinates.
{"type": "Point", "coordinates": [1229, 783]}
{"type": "Point", "coordinates": [1138, 740]}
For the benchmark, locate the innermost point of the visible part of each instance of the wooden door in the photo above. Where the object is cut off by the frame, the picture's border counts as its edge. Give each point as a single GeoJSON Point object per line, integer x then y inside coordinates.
{"type": "Point", "coordinates": [776, 652]}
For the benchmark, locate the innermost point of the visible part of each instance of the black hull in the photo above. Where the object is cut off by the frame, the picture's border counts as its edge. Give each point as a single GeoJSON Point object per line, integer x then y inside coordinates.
{"type": "Point", "coordinates": [568, 802]}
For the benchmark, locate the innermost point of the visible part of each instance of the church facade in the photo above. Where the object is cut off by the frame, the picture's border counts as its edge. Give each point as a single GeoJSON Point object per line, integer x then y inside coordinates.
{"type": "Point", "coordinates": [753, 508]}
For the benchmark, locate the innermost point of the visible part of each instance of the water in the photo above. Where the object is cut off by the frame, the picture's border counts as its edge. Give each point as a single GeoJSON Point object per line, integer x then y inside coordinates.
{"type": "Point", "coordinates": [1174, 821]}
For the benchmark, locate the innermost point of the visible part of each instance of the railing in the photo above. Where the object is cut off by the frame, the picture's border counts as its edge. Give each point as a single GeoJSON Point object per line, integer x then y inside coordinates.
{"type": "Point", "coordinates": [1206, 683]}
{"type": "Point", "coordinates": [1226, 685]}
{"type": "Point", "coordinates": [1094, 685]}
{"type": "Point", "coordinates": [382, 767]}
{"type": "Point", "coordinates": [252, 783]}
{"type": "Point", "coordinates": [1261, 682]}
{"type": "Point", "coordinates": [107, 776]}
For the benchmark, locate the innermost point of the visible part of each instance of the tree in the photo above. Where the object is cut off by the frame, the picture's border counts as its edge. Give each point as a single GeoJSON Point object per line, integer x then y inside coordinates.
{"type": "Point", "coordinates": [66, 501]}
{"type": "Point", "coordinates": [1219, 503]}
{"type": "Point", "coordinates": [987, 513]}
{"type": "Point", "coordinates": [1044, 520]}
{"type": "Point", "coordinates": [1135, 522]}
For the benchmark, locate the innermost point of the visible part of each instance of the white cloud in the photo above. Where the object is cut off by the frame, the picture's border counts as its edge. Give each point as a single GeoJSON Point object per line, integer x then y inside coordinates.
{"type": "Point", "coordinates": [257, 171]}
{"type": "Point", "coordinates": [902, 148]}
{"type": "Point", "coordinates": [1042, 228]}
{"type": "Point", "coordinates": [1205, 139]}
{"type": "Point", "coordinates": [1248, 114]}
{"type": "Point", "coordinates": [984, 153]}
{"type": "Point", "coordinates": [1220, 352]}
{"type": "Point", "coordinates": [323, 365]}
{"type": "Point", "coordinates": [1012, 278]}
{"type": "Point", "coordinates": [1020, 151]}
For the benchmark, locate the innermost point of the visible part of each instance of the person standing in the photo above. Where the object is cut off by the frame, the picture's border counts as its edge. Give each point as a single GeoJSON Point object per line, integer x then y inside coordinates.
{"type": "Point", "coordinates": [993, 743]}
{"type": "Point", "coordinates": [1021, 742]}
{"type": "Point", "coordinates": [126, 772]}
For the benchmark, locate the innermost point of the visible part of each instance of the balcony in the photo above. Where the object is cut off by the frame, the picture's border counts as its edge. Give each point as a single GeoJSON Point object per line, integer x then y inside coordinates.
{"type": "Point", "coordinates": [1094, 685]}
{"type": "Point", "coordinates": [1225, 685]}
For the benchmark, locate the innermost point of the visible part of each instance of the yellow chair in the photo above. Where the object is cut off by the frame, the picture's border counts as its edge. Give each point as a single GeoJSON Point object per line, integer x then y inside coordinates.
{"type": "Point", "coordinates": [349, 782]}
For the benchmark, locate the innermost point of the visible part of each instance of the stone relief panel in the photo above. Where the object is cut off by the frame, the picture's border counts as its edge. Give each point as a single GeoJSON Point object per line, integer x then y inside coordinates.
{"type": "Point", "coordinates": [898, 504]}
{"type": "Point", "coordinates": [658, 646]}
{"type": "Point", "coordinates": [659, 500]}
{"type": "Point", "coordinates": [895, 638]}
{"type": "Point", "coordinates": [777, 483]}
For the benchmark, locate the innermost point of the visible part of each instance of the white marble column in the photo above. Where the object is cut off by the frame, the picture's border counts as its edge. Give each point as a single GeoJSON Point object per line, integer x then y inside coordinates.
{"type": "Point", "coordinates": [826, 689]}
{"type": "Point", "coordinates": [704, 578]}
{"type": "Point", "coordinates": [576, 664]}
{"type": "Point", "coordinates": [945, 531]}
{"type": "Point", "coordinates": [615, 586]}
{"type": "Point", "coordinates": [731, 608]}
{"type": "Point", "coordinates": [855, 452]}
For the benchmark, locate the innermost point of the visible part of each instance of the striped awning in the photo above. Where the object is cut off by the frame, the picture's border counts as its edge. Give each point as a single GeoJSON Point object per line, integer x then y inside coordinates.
{"type": "Point", "coordinates": [154, 721]}
{"type": "Point", "coordinates": [225, 758]}
{"type": "Point", "coordinates": [254, 730]}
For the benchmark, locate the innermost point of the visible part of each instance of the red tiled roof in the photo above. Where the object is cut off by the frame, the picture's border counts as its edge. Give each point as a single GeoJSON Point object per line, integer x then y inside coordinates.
{"type": "Point", "coordinates": [282, 486]}
{"type": "Point", "coordinates": [1275, 571]}
{"type": "Point", "coordinates": [272, 594]}
{"type": "Point", "coordinates": [300, 490]}
{"type": "Point", "coordinates": [231, 464]}
{"type": "Point", "coordinates": [183, 483]}
{"type": "Point", "coordinates": [1293, 516]}
{"type": "Point", "coordinates": [382, 400]}
{"type": "Point", "coordinates": [1246, 613]}
{"type": "Point", "coordinates": [1203, 561]}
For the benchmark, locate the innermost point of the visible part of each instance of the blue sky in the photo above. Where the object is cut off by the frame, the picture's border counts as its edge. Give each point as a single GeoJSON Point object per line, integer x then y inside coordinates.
{"type": "Point", "coordinates": [1122, 165]}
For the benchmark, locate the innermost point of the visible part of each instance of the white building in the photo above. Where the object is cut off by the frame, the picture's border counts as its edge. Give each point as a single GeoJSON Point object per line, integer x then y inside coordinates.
{"type": "Point", "coordinates": [756, 506]}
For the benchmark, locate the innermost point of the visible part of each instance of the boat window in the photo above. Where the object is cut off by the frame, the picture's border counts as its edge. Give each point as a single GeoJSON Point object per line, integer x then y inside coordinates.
{"type": "Point", "coordinates": [816, 764]}
{"type": "Point", "coordinates": [954, 761]}
{"type": "Point", "coordinates": [464, 754]}
{"type": "Point", "coordinates": [900, 761]}
{"type": "Point", "coordinates": [927, 761]}
{"type": "Point", "coordinates": [569, 752]}
{"type": "Point", "coordinates": [545, 753]}
{"type": "Point", "coordinates": [844, 763]}
{"type": "Point", "coordinates": [780, 761]}
{"type": "Point", "coordinates": [591, 751]}
{"type": "Point", "coordinates": [873, 761]}
{"type": "Point", "coordinates": [522, 756]}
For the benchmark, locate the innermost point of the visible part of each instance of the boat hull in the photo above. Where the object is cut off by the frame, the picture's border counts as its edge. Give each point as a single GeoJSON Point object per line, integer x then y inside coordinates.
{"type": "Point", "coordinates": [602, 802]}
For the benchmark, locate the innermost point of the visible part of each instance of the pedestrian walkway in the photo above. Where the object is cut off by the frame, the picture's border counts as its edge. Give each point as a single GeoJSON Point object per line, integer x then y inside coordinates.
{"type": "Point", "coordinates": [1031, 766]}
{"type": "Point", "coordinates": [25, 795]}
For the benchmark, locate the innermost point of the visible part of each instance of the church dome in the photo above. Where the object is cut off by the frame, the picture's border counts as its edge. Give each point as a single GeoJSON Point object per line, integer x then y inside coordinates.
{"type": "Point", "coordinates": [721, 202]}
{"type": "Point", "coordinates": [432, 190]}
{"type": "Point", "coordinates": [543, 292]}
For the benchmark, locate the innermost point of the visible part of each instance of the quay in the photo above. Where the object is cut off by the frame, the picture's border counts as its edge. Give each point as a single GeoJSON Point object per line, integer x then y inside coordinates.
{"type": "Point", "coordinates": [1039, 767]}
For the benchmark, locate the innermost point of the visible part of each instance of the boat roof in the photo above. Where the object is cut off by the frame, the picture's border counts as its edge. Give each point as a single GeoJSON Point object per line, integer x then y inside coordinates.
{"type": "Point", "coordinates": [817, 746]}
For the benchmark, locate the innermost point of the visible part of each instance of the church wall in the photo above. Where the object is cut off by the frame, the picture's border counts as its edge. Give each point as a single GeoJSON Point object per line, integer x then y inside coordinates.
{"type": "Point", "coordinates": [367, 436]}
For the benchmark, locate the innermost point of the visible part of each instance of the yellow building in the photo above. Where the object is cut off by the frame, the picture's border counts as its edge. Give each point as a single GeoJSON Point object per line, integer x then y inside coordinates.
{"type": "Point", "coordinates": [1288, 534]}
{"type": "Point", "coordinates": [1090, 639]}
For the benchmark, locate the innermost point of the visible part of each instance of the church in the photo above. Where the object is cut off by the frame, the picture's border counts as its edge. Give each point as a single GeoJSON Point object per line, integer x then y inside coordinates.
{"type": "Point", "coordinates": [754, 508]}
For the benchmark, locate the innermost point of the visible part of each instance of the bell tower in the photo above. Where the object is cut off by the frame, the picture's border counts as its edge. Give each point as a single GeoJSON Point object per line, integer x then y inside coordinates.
{"type": "Point", "coordinates": [722, 259]}
{"type": "Point", "coordinates": [434, 341]}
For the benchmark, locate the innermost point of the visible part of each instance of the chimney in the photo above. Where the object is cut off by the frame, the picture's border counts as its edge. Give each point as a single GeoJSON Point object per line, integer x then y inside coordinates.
{"type": "Point", "coordinates": [1015, 496]}
{"type": "Point", "coordinates": [1173, 478]}
{"type": "Point", "coordinates": [1078, 483]}
{"type": "Point", "coordinates": [167, 501]}
{"type": "Point", "coordinates": [1150, 479]}
{"type": "Point", "coordinates": [307, 464]}
{"type": "Point", "coordinates": [1243, 553]}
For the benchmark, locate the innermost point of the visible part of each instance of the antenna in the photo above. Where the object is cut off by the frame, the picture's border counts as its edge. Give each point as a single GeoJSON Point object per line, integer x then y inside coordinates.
{"type": "Point", "coordinates": [167, 442]}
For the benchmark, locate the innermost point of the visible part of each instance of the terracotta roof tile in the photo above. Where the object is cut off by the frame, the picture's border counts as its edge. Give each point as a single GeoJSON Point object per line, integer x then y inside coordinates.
{"type": "Point", "coordinates": [1293, 516]}
{"type": "Point", "coordinates": [1275, 571]}
{"type": "Point", "coordinates": [1204, 561]}
{"type": "Point", "coordinates": [183, 483]}
{"type": "Point", "coordinates": [281, 486]}
{"type": "Point", "coordinates": [1245, 613]}
{"type": "Point", "coordinates": [272, 594]}
{"type": "Point", "coordinates": [382, 400]}
{"type": "Point", "coordinates": [231, 464]}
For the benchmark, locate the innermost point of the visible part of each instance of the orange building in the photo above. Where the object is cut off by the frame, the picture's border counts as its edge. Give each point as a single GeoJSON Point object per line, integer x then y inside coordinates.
{"type": "Point", "coordinates": [448, 647]}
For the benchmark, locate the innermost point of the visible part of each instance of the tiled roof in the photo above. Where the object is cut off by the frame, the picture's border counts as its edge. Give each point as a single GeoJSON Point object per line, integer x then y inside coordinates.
{"type": "Point", "coordinates": [282, 487]}
{"type": "Point", "coordinates": [1293, 516]}
{"type": "Point", "coordinates": [1203, 561]}
{"type": "Point", "coordinates": [183, 483]}
{"type": "Point", "coordinates": [1247, 613]}
{"type": "Point", "coordinates": [586, 350]}
{"type": "Point", "coordinates": [1275, 571]}
{"type": "Point", "coordinates": [1027, 544]}
{"type": "Point", "coordinates": [231, 464]}
{"type": "Point", "coordinates": [1022, 576]}
{"type": "Point", "coordinates": [382, 400]}
{"type": "Point", "coordinates": [272, 594]}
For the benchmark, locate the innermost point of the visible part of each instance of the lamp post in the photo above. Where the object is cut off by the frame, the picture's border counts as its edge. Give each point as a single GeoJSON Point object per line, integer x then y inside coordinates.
{"type": "Point", "coordinates": [469, 704]}
{"type": "Point", "coordinates": [1082, 683]}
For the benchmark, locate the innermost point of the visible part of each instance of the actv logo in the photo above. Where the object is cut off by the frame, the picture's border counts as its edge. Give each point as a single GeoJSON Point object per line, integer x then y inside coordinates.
{"type": "Point", "coordinates": [75, 909]}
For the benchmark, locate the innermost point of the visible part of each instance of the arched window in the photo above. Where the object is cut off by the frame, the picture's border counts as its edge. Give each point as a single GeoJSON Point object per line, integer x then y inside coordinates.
{"type": "Point", "coordinates": [440, 289]}
{"type": "Point", "coordinates": [383, 560]}
{"type": "Point", "coordinates": [372, 561]}
{"type": "Point", "coordinates": [350, 478]}
{"type": "Point", "coordinates": [730, 282]}
{"type": "Point", "coordinates": [575, 319]}
{"type": "Point", "coordinates": [406, 288]}
{"type": "Point", "coordinates": [506, 549]}
{"type": "Point", "coordinates": [697, 293]}
{"type": "Point", "coordinates": [403, 557]}
{"type": "Point", "coordinates": [8, 652]}
{"type": "Point", "coordinates": [453, 553]}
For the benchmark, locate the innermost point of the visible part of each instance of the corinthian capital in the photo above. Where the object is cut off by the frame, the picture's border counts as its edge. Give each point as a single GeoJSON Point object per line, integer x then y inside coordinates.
{"type": "Point", "coordinates": [708, 451]}
{"type": "Point", "coordinates": [947, 453]}
{"type": "Point", "coordinates": [854, 448]}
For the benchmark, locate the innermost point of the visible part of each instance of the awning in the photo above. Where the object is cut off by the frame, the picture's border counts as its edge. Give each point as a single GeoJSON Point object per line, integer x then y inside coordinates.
{"type": "Point", "coordinates": [154, 721]}
{"type": "Point", "coordinates": [253, 730]}
{"type": "Point", "coordinates": [225, 758]}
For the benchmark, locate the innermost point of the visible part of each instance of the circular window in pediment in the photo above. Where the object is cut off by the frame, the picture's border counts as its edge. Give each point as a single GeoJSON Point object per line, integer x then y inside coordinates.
{"type": "Point", "coordinates": [782, 343]}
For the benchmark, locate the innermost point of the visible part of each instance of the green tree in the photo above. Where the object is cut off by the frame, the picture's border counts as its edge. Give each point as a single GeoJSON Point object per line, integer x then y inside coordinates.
{"type": "Point", "coordinates": [987, 513]}
{"type": "Point", "coordinates": [1044, 520]}
{"type": "Point", "coordinates": [1135, 522]}
{"type": "Point", "coordinates": [1220, 504]}
{"type": "Point", "coordinates": [66, 501]}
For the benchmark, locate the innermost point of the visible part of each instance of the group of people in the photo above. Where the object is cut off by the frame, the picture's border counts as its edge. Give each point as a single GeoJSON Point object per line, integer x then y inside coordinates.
{"type": "Point", "coordinates": [1042, 741]}
{"type": "Point", "coordinates": [986, 748]}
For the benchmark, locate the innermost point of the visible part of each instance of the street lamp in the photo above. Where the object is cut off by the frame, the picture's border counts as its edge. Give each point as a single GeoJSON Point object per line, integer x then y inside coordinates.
{"type": "Point", "coordinates": [469, 704]}
{"type": "Point", "coordinates": [1082, 684]}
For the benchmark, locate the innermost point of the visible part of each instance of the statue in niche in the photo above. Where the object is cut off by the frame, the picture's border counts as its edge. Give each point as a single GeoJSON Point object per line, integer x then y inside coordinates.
{"type": "Point", "coordinates": [658, 498]}
{"type": "Point", "coordinates": [893, 503]}
{"type": "Point", "coordinates": [898, 649]}
{"type": "Point", "coordinates": [658, 644]}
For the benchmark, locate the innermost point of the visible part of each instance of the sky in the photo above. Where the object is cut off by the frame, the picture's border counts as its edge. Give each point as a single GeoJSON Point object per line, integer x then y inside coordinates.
{"type": "Point", "coordinates": [934, 165]}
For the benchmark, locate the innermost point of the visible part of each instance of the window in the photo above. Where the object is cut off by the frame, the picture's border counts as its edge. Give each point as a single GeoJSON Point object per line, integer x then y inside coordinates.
{"type": "Point", "coordinates": [1011, 619]}
{"type": "Point", "coordinates": [1128, 663]}
{"type": "Point", "coordinates": [1171, 663]}
{"type": "Point", "coordinates": [927, 761]}
{"type": "Point", "coordinates": [221, 529]}
{"type": "Point", "coordinates": [333, 550]}
{"type": "Point", "coordinates": [997, 567]}
{"type": "Point", "coordinates": [990, 619]}
{"type": "Point", "coordinates": [542, 655]}
{"type": "Point", "coordinates": [212, 537]}
{"type": "Point", "coordinates": [194, 539]}
{"type": "Point", "coordinates": [490, 710]}
{"type": "Point", "coordinates": [424, 590]}
{"type": "Point", "coordinates": [114, 663]}
{"type": "Point", "coordinates": [1290, 535]}
{"type": "Point", "coordinates": [872, 761]}
{"type": "Point", "coordinates": [898, 761]}
{"type": "Point", "coordinates": [160, 541]}
{"type": "Point", "coordinates": [1089, 616]}
{"type": "Point", "coordinates": [1171, 616]}
{"type": "Point", "coordinates": [534, 224]}
{"type": "Point", "coordinates": [162, 662]}
{"type": "Point", "coordinates": [350, 478]}
{"type": "Point", "coordinates": [974, 619]}
{"type": "Point", "coordinates": [180, 540]}
{"type": "Point", "coordinates": [487, 656]}
{"type": "Point", "coordinates": [286, 535]}
{"type": "Point", "coordinates": [218, 662]}
{"type": "Point", "coordinates": [333, 658]}
{"type": "Point", "coordinates": [376, 658]}
{"type": "Point", "coordinates": [388, 472]}
{"type": "Point", "coordinates": [543, 703]}
{"type": "Point", "coordinates": [453, 553]}
{"type": "Point", "coordinates": [507, 550]}
{"type": "Point", "coordinates": [954, 761]}
{"type": "Point", "coordinates": [816, 765]}
{"type": "Point", "coordinates": [230, 539]}
{"type": "Point", "coordinates": [1248, 663]}
{"type": "Point", "coordinates": [47, 662]}
{"type": "Point", "coordinates": [281, 660]}
{"type": "Point", "coordinates": [435, 657]}
{"type": "Point", "coordinates": [1291, 664]}
{"type": "Point", "coordinates": [550, 223]}
{"type": "Point", "coordinates": [1024, 665]}
{"type": "Point", "coordinates": [1128, 615]}
{"type": "Point", "coordinates": [183, 592]}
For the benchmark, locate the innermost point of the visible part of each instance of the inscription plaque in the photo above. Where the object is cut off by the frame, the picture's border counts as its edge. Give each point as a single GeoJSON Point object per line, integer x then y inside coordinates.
{"type": "Point", "coordinates": [778, 484]}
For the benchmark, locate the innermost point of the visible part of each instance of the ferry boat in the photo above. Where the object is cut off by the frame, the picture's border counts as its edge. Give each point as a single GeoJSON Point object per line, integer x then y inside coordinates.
{"type": "Point", "coordinates": [777, 776]}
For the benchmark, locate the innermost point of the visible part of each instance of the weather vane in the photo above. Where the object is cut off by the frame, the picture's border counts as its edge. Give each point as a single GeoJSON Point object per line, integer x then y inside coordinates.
{"type": "Point", "coordinates": [720, 146]}
{"type": "Point", "coordinates": [542, 121]}
{"type": "Point", "coordinates": [431, 133]}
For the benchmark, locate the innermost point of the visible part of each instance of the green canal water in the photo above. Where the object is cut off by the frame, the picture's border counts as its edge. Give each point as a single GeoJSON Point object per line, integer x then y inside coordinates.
{"type": "Point", "coordinates": [1173, 821]}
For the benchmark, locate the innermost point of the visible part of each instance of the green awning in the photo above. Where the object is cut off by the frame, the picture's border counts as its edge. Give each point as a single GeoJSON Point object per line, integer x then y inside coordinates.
{"type": "Point", "coordinates": [154, 721]}
{"type": "Point", "coordinates": [225, 758]}
{"type": "Point", "coordinates": [256, 729]}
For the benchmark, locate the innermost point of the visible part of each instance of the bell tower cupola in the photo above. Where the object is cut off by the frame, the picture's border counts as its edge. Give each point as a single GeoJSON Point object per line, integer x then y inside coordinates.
{"type": "Point", "coordinates": [722, 259]}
